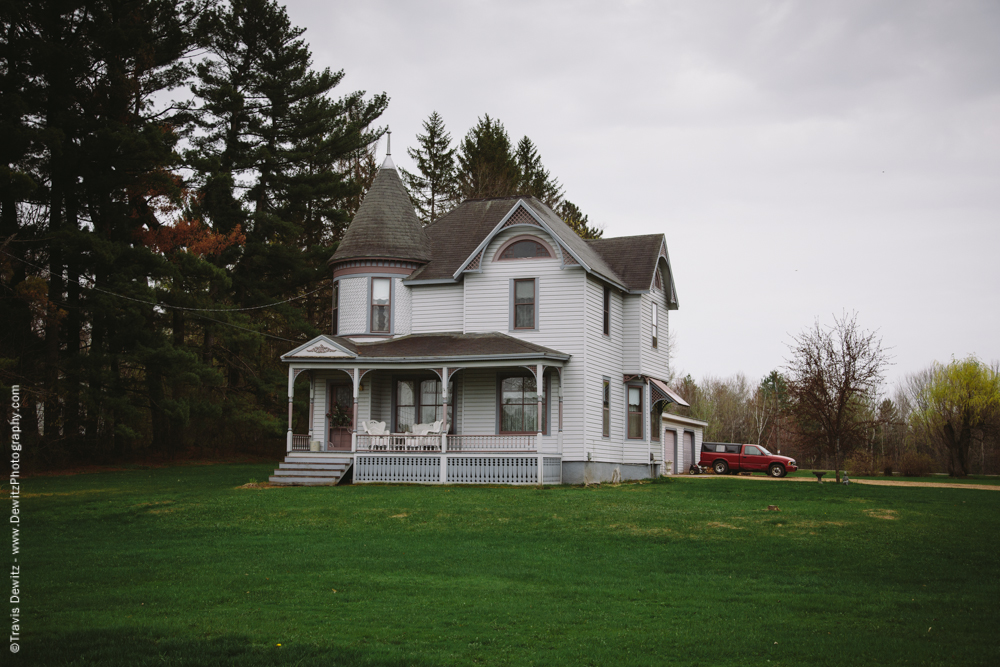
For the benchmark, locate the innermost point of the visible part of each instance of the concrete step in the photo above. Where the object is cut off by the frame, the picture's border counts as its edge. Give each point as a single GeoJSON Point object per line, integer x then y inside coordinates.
{"type": "Point", "coordinates": [291, 458]}
{"type": "Point", "coordinates": [305, 481]}
{"type": "Point", "coordinates": [308, 472]}
{"type": "Point", "coordinates": [313, 466]}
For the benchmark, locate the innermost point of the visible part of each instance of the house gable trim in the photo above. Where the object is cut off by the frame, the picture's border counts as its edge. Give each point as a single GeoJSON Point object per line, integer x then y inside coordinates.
{"type": "Point", "coordinates": [321, 347]}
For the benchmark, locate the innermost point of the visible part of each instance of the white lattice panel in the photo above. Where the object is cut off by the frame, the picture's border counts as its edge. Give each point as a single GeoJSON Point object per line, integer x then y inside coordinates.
{"type": "Point", "coordinates": [353, 306]}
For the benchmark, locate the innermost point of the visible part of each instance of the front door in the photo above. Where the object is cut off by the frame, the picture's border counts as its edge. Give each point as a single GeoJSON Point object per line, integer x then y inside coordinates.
{"type": "Point", "coordinates": [340, 417]}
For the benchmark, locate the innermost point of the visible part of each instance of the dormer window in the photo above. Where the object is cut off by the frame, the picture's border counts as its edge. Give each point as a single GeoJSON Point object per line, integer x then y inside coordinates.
{"type": "Point", "coordinates": [524, 247]}
{"type": "Point", "coordinates": [381, 304]}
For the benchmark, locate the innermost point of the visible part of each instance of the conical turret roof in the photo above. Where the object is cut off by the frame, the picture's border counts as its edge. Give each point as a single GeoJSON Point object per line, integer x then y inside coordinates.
{"type": "Point", "coordinates": [385, 224]}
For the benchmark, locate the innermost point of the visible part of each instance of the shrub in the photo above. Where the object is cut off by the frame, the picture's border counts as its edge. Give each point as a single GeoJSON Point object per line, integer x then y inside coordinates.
{"type": "Point", "coordinates": [915, 464]}
{"type": "Point", "coordinates": [862, 464]}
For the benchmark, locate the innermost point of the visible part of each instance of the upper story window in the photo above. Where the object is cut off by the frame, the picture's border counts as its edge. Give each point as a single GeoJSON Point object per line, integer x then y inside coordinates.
{"type": "Point", "coordinates": [525, 249]}
{"type": "Point", "coordinates": [607, 310]}
{"type": "Point", "coordinates": [381, 306]}
{"type": "Point", "coordinates": [525, 304]}
{"type": "Point", "coordinates": [655, 309]}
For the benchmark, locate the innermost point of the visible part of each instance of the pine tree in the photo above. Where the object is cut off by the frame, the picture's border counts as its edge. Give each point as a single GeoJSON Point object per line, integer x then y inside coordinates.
{"type": "Point", "coordinates": [487, 166]}
{"type": "Point", "coordinates": [574, 217]}
{"type": "Point", "coordinates": [433, 189]}
{"type": "Point", "coordinates": [535, 178]}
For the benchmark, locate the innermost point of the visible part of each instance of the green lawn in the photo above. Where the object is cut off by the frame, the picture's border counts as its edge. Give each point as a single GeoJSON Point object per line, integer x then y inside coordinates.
{"type": "Point", "coordinates": [178, 566]}
{"type": "Point", "coordinates": [991, 480]}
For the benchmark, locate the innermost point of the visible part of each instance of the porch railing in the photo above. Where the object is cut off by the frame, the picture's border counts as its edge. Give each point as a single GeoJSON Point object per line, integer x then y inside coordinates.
{"type": "Point", "coordinates": [399, 442]}
{"type": "Point", "coordinates": [300, 443]}
{"type": "Point", "coordinates": [491, 443]}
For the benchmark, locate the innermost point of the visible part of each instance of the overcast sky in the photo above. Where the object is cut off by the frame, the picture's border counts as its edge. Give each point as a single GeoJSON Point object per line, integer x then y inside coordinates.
{"type": "Point", "coordinates": [802, 158]}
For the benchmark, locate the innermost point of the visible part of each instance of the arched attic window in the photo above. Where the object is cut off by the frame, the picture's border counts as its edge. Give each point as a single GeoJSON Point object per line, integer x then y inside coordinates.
{"type": "Point", "coordinates": [524, 247]}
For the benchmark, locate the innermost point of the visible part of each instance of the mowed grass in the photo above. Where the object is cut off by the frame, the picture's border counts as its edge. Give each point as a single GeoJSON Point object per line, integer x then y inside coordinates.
{"type": "Point", "coordinates": [180, 566]}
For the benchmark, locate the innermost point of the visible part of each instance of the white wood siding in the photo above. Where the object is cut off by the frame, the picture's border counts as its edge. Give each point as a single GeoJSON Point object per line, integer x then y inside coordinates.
{"type": "Point", "coordinates": [632, 333]}
{"type": "Point", "coordinates": [560, 326]}
{"type": "Point", "coordinates": [437, 308]}
{"type": "Point", "coordinates": [401, 308]}
{"type": "Point", "coordinates": [353, 306]}
{"type": "Point", "coordinates": [654, 361]}
{"type": "Point", "coordinates": [605, 359]}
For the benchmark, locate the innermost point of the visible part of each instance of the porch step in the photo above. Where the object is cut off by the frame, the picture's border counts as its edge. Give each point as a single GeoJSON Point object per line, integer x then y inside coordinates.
{"type": "Point", "coordinates": [311, 470]}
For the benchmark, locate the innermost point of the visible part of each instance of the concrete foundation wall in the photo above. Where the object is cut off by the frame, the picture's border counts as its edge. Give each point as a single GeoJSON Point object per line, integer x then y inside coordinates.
{"type": "Point", "coordinates": [586, 472]}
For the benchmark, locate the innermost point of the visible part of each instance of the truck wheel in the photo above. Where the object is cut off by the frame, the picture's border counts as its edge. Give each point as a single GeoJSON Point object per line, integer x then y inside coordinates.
{"type": "Point", "coordinates": [720, 467]}
{"type": "Point", "coordinates": [777, 470]}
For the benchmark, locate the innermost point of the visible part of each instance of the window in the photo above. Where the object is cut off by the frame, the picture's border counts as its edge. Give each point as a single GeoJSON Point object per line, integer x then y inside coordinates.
{"type": "Point", "coordinates": [524, 304]}
{"type": "Point", "coordinates": [381, 306]}
{"type": "Point", "coordinates": [524, 250]}
{"type": "Point", "coordinates": [606, 410]}
{"type": "Point", "coordinates": [654, 325]}
{"type": "Point", "coordinates": [430, 402]}
{"type": "Point", "coordinates": [519, 405]}
{"type": "Point", "coordinates": [635, 412]}
{"type": "Point", "coordinates": [419, 402]}
{"type": "Point", "coordinates": [751, 451]}
{"type": "Point", "coordinates": [336, 305]}
{"type": "Point", "coordinates": [607, 310]}
{"type": "Point", "coordinates": [406, 405]}
{"type": "Point", "coordinates": [658, 280]}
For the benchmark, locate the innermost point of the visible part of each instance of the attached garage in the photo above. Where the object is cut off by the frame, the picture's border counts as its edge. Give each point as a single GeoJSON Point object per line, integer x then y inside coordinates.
{"type": "Point", "coordinates": [681, 440]}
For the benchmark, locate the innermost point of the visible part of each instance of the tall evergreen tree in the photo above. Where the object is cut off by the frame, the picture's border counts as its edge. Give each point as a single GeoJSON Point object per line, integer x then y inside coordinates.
{"type": "Point", "coordinates": [487, 166]}
{"type": "Point", "coordinates": [535, 178]}
{"type": "Point", "coordinates": [580, 223]}
{"type": "Point", "coordinates": [433, 188]}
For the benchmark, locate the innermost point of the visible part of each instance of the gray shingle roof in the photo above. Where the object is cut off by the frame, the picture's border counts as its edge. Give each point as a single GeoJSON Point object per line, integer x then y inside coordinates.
{"type": "Point", "coordinates": [385, 224]}
{"type": "Point", "coordinates": [453, 345]}
{"type": "Point", "coordinates": [628, 261]}
{"type": "Point", "coordinates": [631, 257]}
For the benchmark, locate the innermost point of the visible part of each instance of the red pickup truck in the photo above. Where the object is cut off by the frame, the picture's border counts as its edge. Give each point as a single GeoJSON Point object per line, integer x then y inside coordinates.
{"type": "Point", "coordinates": [725, 457]}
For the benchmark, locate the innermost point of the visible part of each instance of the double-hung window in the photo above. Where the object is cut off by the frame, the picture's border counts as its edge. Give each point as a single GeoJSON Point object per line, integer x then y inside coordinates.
{"type": "Point", "coordinates": [607, 310]}
{"type": "Point", "coordinates": [654, 324]}
{"type": "Point", "coordinates": [419, 402]}
{"type": "Point", "coordinates": [519, 405]}
{"type": "Point", "coordinates": [634, 412]}
{"type": "Point", "coordinates": [381, 304]}
{"type": "Point", "coordinates": [525, 304]}
{"type": "Point", "coordinates": [606, 410]}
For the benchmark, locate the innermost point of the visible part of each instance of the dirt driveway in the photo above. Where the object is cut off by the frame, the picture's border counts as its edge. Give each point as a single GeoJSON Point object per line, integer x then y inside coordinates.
{"type": "Point", "coordinates": [873, 482]}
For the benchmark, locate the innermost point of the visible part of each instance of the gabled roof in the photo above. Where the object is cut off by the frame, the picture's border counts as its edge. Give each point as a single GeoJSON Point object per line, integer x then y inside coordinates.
{"type": "Point", "coordinates": [323, 347]}
{"type": "Point", "coordinates": [628, 262]}
{"type": "Point", "coordinates": [385, 224]}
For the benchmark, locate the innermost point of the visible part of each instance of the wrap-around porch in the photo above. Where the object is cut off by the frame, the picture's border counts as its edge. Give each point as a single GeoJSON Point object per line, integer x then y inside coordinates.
{"type": "Point", "coordinates": [472, 419]}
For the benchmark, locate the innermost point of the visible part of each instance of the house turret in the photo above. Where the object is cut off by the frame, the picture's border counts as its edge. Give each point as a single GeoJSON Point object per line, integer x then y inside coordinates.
{"type": "Point", "coordinates": [384, 243]}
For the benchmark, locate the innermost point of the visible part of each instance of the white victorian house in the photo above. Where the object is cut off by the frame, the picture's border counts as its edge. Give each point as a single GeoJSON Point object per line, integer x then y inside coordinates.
{"type": "Point", "coordinates": [491, 346]}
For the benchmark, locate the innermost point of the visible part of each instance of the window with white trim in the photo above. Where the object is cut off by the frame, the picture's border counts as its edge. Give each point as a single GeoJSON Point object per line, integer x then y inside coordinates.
{"type": "Point", "coordinates": [607, 310]}
{"type": "Point", "coordinates": [525, 304]}
{"type": "Point", "coordinates": [635, 412]}
{"type": "Point", "coordinates": [381, 305]}
{"type": "Point", "coordinates": [654, 324]}
{"type": "Point", "coordinates": [606, 409]}
{"type": "Point", "coordinates": [519, 405]}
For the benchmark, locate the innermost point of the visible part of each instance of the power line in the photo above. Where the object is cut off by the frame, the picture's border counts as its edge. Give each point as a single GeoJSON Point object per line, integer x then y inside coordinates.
{"type": "Point", "coordinates": [167, 305]}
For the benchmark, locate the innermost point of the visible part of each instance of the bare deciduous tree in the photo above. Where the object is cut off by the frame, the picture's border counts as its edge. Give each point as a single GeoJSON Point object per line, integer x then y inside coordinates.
{"type": "Point", "coordinates": [834, 373]}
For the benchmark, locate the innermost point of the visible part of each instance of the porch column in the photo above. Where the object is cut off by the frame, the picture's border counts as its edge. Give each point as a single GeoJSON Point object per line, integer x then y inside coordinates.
{"type": "Point", "coordinates": [444, 424]}
{"type": "Point", "coordinates": [354, 433]}
{"type": "Point", "coordinates": [312, 403]}
{"type": "Point", "coordinates": [649, 426]}
{"type": "Point", "coordinates": [291, 397]}
{"type": "Point", "coordinates": [559, 438]}
{"type": "Point", "coordinates": [540, 392]}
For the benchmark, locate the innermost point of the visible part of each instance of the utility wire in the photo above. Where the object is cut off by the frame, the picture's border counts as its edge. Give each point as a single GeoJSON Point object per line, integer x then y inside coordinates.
{"type": "Point", "coordinates": [167, 305]}
{"type": "Point", "coordinates": [195, 311]}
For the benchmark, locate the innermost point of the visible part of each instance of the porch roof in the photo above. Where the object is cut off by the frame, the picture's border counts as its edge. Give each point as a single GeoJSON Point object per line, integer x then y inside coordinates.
{"type": "Point", "coordinates": [440, 348]}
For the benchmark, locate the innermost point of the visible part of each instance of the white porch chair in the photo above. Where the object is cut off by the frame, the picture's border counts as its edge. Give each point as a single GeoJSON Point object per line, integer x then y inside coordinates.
{"type": "Point", "coordinates": [374, 428]}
